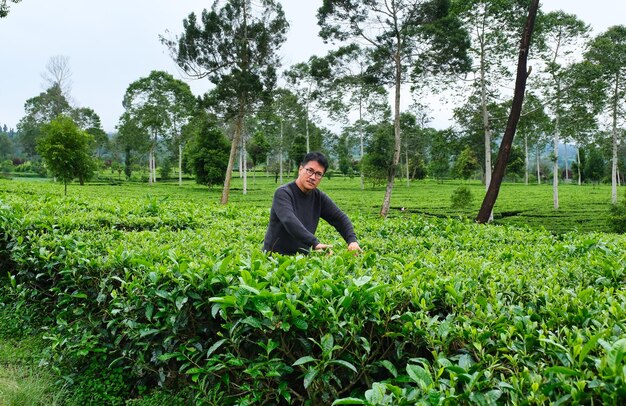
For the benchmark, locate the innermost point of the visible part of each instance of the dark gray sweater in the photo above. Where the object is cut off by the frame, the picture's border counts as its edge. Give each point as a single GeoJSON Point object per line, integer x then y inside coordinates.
{"type": "Point", "coordinates": [294, 218]}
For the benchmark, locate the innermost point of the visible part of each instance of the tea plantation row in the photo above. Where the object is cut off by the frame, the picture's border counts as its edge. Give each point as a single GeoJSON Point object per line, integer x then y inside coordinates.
{"type": "Point", "coordinates": [176, 293]}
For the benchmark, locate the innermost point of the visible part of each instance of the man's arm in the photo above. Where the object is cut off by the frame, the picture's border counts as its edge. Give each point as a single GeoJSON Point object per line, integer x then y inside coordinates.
{"type": "Point", "coordinates": [340, 221]}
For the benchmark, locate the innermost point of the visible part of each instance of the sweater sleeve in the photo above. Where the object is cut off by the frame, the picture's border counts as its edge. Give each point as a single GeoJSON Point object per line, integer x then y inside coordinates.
{"type": "Point", "coordinates": [338, 219]}
{"type": "Point", "coordinates": [283, 207]}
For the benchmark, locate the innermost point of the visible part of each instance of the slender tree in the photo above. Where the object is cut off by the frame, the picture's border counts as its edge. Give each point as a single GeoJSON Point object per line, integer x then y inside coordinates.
{"type": "Point", "coordinates": [607, 53]}
{"type": "Point", "coordinates": [41, 110]}
{"type": "Point", "coordinates": [494, 28]}
{"type": "Point", "coordinates": [378, 158]}
{"type": "Point", "coordinates": [581, 106]}
{"type": "Point", "coordinates": [235, 47]}
{"type": "Point", "coordinates": [58, 73]}
{"type": "Point", "coordinates": [281, 124]}
{"type": "Point", "coordinates": [304, 82]}
{"type": "Point", "coordinates": [402, 38]}
{"type": "Point", "coordinates": [466, 163]}
{"type": "Point", "coordinates": [560, 40]}
{"type": "Point", "coordinates": [89, 121]}
{"type": "Point", "coordinates": [66, 150]}
{"type": "Point", "coordinates": [348, 90]}
{"type": "Point", "coordinates": [161, 105]}
{"type": "Point", "coordinates": [491, 196]}
{"type": "Point", "coordinates": [534, 122]}
{"type": "Point", "coordinates": [206, 150]}
{"type": "Point", "coordinates": [258, 148]}
{"type": "Point", "coordinates": [443, 143]}
{"type": "Point", "coordinates": [131, 139]}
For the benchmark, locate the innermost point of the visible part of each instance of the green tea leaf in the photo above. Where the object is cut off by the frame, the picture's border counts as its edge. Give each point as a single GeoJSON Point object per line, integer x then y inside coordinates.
{"type": "Point", "coordinates": [588, 347]}
{"type": "Point", "coordinates": [310, 377]}
{"type": "Point", "coordinates": [180, 302]}
{"type": "Point", "coordinates": [349, 401]}
{"type": "Point", "coordinates": [327, 344]}
{"type": "Point", "coordinates": [390, 367]}
{"type": "Point", "coordinates": [303, 360]}
{"type": "Point", "coordinates": [344, 363]}
{"type": "Point", "coordinates": [419, 375]}
{"type": "Point", "coordinates": [214, 347]}
{"type": "Point", "coordinates": [562, 370]}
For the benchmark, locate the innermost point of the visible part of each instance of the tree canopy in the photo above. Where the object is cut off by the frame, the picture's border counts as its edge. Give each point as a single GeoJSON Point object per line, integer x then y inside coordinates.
{"type": "Point", "coordinates": [66, 150]}
{"type": "Point", "coordinates": [160, 104]}
{"type": "Point", "coordinates": [404, 40]}
{"type": "Point", "coordinates": [4, 7]}
{"type": "Point", "coordinates": [234, 46]}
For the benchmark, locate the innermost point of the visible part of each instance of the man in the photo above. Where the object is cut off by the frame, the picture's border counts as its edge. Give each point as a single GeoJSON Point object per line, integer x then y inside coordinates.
{"type": "Point", "coordinates": [297, 208]}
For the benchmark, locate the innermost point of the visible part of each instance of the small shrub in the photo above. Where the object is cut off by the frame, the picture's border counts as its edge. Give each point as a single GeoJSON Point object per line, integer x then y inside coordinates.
{"type": "Point", "coordinates": [165, 170]}
{"type": "Point", "coordinates": [163, 397]}
{"type": "Point", "coordinates": [461, 197]}
{"type": "Point", "coordinates": [98, 385]}
{"type": "Point", "coordinates": [617, 217]}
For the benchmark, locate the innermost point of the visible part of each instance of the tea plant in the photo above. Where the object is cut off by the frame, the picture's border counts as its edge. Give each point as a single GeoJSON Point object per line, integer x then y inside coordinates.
{"type": "Point", "coordinates": [461, 197]}
{"type": "Point", "coordinates": [176, 293]}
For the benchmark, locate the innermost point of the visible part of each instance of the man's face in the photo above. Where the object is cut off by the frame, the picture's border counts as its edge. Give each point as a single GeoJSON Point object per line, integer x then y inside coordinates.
{"type": "Point", "coordinates": [309, 176]}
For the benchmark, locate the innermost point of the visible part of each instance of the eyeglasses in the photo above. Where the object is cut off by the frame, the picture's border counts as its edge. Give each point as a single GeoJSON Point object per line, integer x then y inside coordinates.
{"type": "Point", "coordinates": [311, 172]}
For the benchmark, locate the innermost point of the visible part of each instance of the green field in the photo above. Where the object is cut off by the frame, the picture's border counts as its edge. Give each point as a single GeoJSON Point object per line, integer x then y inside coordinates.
{"type": "Point", "coordinates": [582, 208]}
{"type": "Point", "coordinates": [171, 291]}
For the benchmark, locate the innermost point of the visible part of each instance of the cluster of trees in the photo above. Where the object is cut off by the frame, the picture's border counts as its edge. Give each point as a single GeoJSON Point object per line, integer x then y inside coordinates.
{"type": "Point", "coordinates": [384, 52]}
{"type": "Point", "coordinates": [4, 7]}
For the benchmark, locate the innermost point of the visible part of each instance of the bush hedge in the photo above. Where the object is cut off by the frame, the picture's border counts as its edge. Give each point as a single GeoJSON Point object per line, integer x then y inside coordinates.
{"type": "Point", "coordinates": [179, 295]}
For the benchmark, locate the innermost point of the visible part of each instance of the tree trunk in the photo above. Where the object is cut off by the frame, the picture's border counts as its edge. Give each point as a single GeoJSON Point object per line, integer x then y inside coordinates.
{"type": "Point", "coordinates": [127, 168]}
{"type": "Point", "coordinates": [555, 165]}
{"type": "Point", "coordinates": [486, 123]}
{"type": "Point", "coordinates": [526, 161]}
{"type": "Point", "coordinates": [566, 165]}
{"type": "Point", "coordinates": [150, 158]}
{"type": "Point", "coordinates": [396, 127]}
{"type": "Point", "coordinates": [361, 160]}
{"type": "Point", "coordinates": [406, 158]}
{"type": "Point", "coordinates": [580, 178]}
{"type": "Point", "coordinates": [240, 160]}
{"type": "Point", "coordinates": [538, 160]}
{"type": "Point", "coordinates": [306, 121]}
{"type": "Point", "coordinates": [231, 158]}
{"type": "Point", "coordinates": [507, 140]}
{"type": "Point", "coordinates": [180, 164]}
{"type": "Point", "coordinates": [280, 157]}
{"type": "Point", "coordinates": [244, 165]}
{"type": "Point", "coordinates": [614, 131]}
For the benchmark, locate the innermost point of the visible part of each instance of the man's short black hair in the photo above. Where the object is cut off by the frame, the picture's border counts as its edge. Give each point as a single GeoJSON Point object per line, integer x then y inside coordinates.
{"type": "Point", "coordinates": [317, 157]}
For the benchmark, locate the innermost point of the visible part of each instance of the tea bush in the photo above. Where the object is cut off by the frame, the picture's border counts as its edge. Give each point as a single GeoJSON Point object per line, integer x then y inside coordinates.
{"type": "Point", "coordinates": [178, 294]}
{"type": "Point", "coordinates": [461, 197]}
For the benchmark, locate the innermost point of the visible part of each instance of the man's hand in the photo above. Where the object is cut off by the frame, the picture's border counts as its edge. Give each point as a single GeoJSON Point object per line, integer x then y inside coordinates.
{"type": "Point", "coordinates": [354, 246]}
{"type": "Point", "coordinates": [324, 247]}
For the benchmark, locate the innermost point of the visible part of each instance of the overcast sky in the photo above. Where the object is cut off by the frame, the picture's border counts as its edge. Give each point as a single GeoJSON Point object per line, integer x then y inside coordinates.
{"type": "Point", "coordinates": [113, 43]}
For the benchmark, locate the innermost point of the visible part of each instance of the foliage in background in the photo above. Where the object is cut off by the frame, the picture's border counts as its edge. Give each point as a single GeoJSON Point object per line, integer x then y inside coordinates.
{"type": "Point", "coordinates": [466, 163]}
{"type": "Point", "coordinates": [401, 44]}
{"type": "Point", "coordinates": [66, 150]}
{"type": "Point", "coordinates": [235, 45]}
{"type": "Point", "coordinates": [206, 151]}
{"type": "Point", "coordinates": [617, 218]}
{"type": "Point", "coordinates": [461, 198]}
{"type": "Point", "coordinates": [378, 158]}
